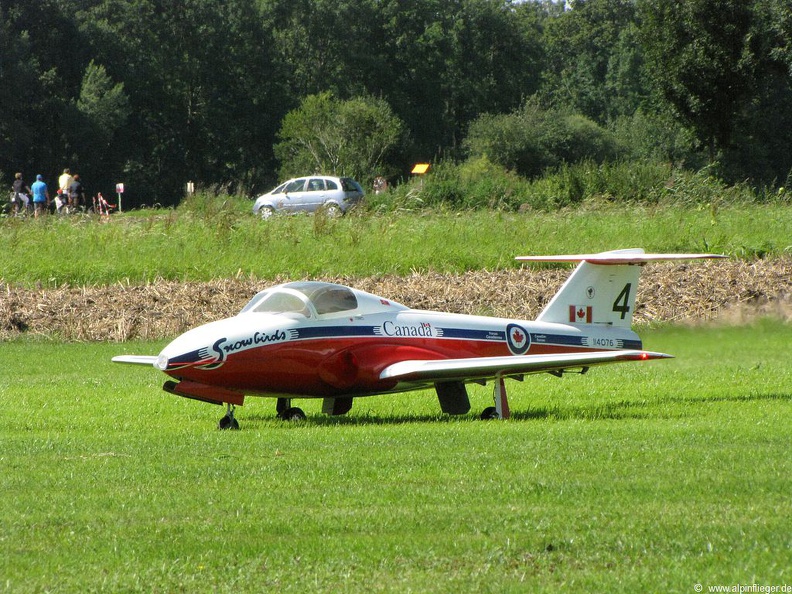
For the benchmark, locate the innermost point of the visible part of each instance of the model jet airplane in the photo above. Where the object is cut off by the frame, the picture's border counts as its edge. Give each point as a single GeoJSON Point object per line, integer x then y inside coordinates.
{"type": "Point", "coordinates": [311, 339]}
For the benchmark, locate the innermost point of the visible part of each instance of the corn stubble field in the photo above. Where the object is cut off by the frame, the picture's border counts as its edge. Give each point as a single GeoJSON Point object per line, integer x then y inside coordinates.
{"type": "Point", "coordinates": [656, 477]}
{"type": "Point", "coordinates": [726, 291]}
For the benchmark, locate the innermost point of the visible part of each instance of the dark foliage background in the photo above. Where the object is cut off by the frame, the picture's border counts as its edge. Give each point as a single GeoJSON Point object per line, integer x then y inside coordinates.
{"type": "Point", "coordinates": [156, 93]}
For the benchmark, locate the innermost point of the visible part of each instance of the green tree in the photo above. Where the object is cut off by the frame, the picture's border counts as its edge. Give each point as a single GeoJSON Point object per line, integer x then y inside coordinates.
{"type": "Point", "coordinates": [702, 58]}
{"type": "Point", "coordinates": [762, 137]}
{"type": "Point", "coordinates": [327, 135]}
{"type": "Point", "coordinates": [35, 86]}
{"type": "Point", "coordinates": [592, 58]}
{"type": "Point", "coordinates": [204, 101]}
{"type": "Point", "coordinates": [18, 84]}
{"type": "Point", "coordinates": [99, 112]}
{"type": "Point", "coordinates": [450, 60]}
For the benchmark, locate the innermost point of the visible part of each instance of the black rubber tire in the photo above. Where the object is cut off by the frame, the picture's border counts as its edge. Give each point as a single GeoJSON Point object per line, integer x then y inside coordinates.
{"type": "Point", "coordinates": [489, 413]}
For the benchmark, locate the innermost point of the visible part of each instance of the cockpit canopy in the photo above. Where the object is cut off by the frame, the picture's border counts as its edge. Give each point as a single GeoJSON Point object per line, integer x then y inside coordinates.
{"type": "Point", "coordinates": [318, 299]}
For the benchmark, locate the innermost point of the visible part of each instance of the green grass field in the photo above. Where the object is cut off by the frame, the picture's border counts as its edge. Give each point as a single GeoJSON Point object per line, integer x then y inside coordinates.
{"type": "Point", "coordinates": [634, 478]}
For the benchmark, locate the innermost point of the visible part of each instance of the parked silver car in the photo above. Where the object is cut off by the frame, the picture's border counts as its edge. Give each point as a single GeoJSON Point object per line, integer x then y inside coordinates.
{"type": "Point", "coordinates": [307, 194]}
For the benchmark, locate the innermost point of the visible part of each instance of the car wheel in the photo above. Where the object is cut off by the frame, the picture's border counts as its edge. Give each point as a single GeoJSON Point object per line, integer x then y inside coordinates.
{"type": "Point", "coordinates": [332, 210]}
{"type": "Point", "coordinates": [266, 212]}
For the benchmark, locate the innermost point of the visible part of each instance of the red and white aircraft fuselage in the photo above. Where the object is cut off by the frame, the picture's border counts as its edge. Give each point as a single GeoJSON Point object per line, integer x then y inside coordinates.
{"type": "Point", "coordinates": [311, 339]}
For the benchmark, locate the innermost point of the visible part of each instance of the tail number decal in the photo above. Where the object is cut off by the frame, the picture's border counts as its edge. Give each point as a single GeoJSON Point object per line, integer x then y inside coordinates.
{"type": "Point", "coordinates": [622, 303]}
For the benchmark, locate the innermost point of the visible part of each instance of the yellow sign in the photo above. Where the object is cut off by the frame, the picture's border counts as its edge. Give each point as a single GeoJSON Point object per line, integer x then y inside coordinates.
{"type": "Point", "coordinates": [420, 168]}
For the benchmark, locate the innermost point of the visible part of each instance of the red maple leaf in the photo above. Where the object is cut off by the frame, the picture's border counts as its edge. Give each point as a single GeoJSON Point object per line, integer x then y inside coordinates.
{"type": "Point", "coordinates": [581, 313]}
{"type": "Point", "coordinates": [518, 336]}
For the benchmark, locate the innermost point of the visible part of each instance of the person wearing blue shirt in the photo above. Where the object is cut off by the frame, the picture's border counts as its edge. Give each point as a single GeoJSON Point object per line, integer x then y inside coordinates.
{"type": "Point", "coordinates": [40, 195]}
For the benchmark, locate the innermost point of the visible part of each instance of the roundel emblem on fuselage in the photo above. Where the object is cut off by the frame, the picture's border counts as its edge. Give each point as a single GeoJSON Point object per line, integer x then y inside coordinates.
{"type": "Point", "coordinates": [518, 339]}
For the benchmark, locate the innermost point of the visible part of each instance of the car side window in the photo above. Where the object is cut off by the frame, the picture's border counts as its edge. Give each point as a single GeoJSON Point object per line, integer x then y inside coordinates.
{"type": "Point", "coordinates": [315, 185]}
{"type": "Point", "coordinates": [331, 185]}
{"type": "Point", "coordinates": [295, 186]}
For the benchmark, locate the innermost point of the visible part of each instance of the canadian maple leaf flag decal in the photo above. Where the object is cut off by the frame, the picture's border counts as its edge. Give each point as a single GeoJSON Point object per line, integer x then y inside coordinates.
{"type": "Point", "coordinates": [580, 314]}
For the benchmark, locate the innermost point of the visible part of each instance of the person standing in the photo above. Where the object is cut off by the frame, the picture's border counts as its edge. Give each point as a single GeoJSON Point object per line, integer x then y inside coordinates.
{"type": "Point", "coordinates": [75, 191]}
{"type": "Point", "coordinates": [20, 194]}
{"type": "Point", "coordinates": [40, 196]}
{"type": "Point", "coordinates": [64, 181]}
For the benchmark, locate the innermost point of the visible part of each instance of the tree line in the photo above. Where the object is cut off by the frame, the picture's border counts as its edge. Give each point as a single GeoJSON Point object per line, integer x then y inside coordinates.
{"type": "Point", "coordinates": [235, 94]}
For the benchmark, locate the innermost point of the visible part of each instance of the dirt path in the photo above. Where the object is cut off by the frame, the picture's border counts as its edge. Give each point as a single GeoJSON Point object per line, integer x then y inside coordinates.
{"type": "Point", "coordinates": [731, 292]}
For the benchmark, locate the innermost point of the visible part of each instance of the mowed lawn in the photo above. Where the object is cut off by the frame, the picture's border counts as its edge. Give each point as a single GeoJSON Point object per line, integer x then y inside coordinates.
{"type": "Point", "coordinates": [651, 477]}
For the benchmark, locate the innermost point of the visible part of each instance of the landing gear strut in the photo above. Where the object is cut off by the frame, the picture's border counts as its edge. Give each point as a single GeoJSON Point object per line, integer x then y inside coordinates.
{"type": "Point", "coordinates": [501, 408]}
{"type": "Point", "coordinates": [228, 421]}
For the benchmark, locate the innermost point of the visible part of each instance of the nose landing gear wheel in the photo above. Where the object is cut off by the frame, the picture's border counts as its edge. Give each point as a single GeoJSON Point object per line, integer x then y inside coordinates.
{"type": "Point", "coordinates": [228, 421]}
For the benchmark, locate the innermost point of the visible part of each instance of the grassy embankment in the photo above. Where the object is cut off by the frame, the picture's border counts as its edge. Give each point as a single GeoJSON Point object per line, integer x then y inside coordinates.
{"type": "Point", "coordinates": [222, 239]}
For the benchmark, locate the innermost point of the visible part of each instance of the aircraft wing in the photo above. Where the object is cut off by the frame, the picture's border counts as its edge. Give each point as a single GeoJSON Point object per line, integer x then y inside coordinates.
{"type": "Point", "coordinates": [491, 367]}
{"type": "Point", "coordinates": [149, 360]}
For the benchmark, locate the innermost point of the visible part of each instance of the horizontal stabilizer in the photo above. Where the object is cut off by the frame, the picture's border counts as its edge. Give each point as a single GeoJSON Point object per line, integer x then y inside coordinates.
{"type": "Point", "coordinates": [615, 257]}
{"type": "Point", "coordinates": [149, 360]}
{"type": "Point", "coordinates": [478, 368]}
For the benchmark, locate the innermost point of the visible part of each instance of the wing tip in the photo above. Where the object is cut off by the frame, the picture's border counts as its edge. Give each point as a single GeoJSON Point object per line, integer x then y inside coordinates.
{"type": "Point", "coordinates": [150, 360]}
{"type": "Point", "coordinates": [646, 356]}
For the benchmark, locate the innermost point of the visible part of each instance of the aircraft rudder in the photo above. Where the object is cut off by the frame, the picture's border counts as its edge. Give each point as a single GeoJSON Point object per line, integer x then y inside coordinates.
{"type": "Point", "coordinates": [595, 294]}
{"type": "Point", "coordinates": [603, 287]}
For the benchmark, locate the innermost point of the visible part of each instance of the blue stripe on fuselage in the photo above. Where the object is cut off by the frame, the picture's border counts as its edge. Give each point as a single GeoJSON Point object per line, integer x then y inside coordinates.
{"type": "Point", "coordinates": [334, 331]}
{"type": "Point", "coordinates": [537, 338]}
{"type": "Point", "coordinates": [470, 334]}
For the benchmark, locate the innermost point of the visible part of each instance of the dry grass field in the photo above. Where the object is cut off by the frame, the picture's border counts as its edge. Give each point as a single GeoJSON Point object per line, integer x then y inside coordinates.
{"type": "Point", "coordinates": [733, 292]}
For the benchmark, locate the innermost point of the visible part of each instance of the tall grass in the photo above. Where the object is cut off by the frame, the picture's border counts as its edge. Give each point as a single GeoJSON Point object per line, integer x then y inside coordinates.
{"type": "Point", "coordinates": [214, 237]}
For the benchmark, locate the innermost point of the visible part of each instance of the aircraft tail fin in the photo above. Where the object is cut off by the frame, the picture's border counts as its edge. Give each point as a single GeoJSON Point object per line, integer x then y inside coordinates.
{"type": "Point", "coordinates": [602, 288]}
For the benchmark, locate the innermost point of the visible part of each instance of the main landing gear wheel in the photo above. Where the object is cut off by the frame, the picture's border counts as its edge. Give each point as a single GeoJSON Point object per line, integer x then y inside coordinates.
{"type": "Point", "coordinates": [293, 414]}
{"type": "Point", "coordinates": [228, 421]}
{"type": "Point", "coordinates": [489, 413]}
{"type": "Point", "coordinates": [287, 412]}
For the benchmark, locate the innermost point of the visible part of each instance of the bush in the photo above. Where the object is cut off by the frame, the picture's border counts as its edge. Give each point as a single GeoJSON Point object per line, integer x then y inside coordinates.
{"type": "Point", "coordinates": [478, 183]}
{"type": "Point", "coordinates": [533, 139]}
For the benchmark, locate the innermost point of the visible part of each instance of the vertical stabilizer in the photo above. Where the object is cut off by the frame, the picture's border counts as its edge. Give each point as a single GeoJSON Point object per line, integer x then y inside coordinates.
{"type": "Point", "coordinates": [602, 288]}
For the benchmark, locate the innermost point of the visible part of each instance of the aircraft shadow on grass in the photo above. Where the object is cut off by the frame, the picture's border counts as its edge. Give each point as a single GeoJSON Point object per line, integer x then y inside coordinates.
{"type": "Point", "coordinates": [622, 410]}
